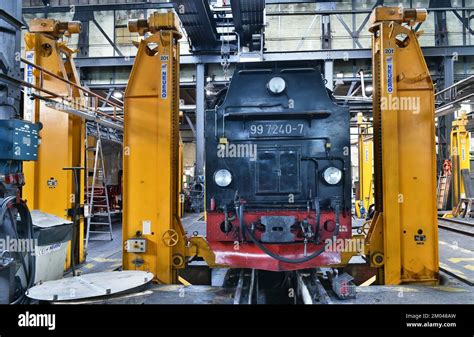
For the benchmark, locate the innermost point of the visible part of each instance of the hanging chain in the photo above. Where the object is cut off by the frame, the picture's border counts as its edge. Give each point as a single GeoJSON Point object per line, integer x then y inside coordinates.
{"type": "Point", "coordinates": [225, 52]}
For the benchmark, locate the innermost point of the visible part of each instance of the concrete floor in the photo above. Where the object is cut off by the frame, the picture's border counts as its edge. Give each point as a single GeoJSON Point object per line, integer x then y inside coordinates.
{"type": "Point", "coordinates": [453, 292]}
{"type": "Point", "coordinates": [457, 255]}
{"type": "Point", "coordinates": [194, 223]}
{"type": "Point", "coordinates": [103, 254]}
{"type": "Point", "coordinates": [170, 294]}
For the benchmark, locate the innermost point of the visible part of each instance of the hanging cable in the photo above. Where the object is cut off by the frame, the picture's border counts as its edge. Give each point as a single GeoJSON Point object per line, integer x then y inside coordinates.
{"type": "Point", "coordinates": [279, 257]}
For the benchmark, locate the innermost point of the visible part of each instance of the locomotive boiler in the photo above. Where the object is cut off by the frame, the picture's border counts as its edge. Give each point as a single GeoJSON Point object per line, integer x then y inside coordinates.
{"type": "Point", "coordinates": [278, 180]}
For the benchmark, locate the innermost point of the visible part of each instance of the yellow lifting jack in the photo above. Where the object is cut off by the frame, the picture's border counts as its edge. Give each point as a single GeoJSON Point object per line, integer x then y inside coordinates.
{"type": "Point", "coordinates": [154, 237]}
{"type": "Point", "coordinates": [49, 187]}
{"type": "Point", "coordinates": [366, 172]}
{"type": "Point", "coordinates": [403, 238]}
{"type": "Point", "coordinates": [460, 157]}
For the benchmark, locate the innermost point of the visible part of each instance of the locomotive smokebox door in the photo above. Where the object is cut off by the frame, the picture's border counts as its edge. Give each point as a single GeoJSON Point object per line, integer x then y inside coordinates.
{"type": "Point", "coordinates": [278, 228]}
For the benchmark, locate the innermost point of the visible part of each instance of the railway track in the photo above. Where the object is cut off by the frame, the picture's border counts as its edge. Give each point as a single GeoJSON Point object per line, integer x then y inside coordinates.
{"type": "Point", "coordinates": [463, 228]}
{"type": "Point", "coordinates": [457, 225]}
{"type": "Point", "coordinates": [246, 291]}
{"type": "Point", "coordinates": [260, 287]}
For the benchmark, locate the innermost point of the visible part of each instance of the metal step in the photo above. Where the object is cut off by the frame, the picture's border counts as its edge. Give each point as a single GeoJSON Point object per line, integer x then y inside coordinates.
{"type": "Point", "coordinates": [99, 232]}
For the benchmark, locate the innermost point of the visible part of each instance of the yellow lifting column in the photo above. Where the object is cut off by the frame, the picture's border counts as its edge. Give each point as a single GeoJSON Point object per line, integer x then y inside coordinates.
{"type": "Point", "coordinates": [151, 153]}
{"type": "Point", "coordinates": [49, 187]}
{"type": "Point", "coordinates": [366, 163]}
{"type": "Point", "coordinates": [460, 156]}
{"type": "Point", "coordinates": [403, 238]}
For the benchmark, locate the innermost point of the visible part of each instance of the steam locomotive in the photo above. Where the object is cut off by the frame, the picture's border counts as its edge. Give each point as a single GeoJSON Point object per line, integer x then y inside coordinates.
{"type": "Point", "coordinates": [278, 180]}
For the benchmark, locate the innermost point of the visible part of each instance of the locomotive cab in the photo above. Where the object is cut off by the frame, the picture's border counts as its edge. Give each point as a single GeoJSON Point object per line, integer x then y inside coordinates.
{"type": "Point", "coordinates": [278, 180]}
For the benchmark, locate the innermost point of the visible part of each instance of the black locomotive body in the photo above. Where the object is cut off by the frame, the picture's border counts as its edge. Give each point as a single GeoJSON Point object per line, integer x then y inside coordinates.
{"type": "Point", "coordinates": [278, 178]}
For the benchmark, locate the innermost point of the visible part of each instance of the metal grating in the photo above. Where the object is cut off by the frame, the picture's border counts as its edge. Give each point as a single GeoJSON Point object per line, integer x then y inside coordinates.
{"type": "Point", "coordinates": [248, 18]}
{"type": "Point", "coordinates": [199, 24]}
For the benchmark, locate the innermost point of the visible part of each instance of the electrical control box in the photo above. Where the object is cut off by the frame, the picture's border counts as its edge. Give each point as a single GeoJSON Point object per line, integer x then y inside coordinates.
{"type": "Point", "coordinates": [19, 140]}
{"type": "Point", "coordinates": [135, 246]}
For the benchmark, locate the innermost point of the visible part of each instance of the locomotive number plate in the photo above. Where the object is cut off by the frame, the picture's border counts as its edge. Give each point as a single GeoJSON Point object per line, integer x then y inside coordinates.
{"type": "Point", "coordinates": [276, 129]}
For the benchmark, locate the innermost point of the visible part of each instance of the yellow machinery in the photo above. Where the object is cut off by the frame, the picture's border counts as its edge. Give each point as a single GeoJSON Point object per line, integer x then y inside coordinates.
{"type": "Point", "coordinates": [154, 237]}
{"type": "Point", "coordinates": [181, 179]}
{"type": "Point", "coordinates": [366, 183]}
{"type": "Point", "coordinates": [403, 238]}
{"type": "Point", "coordinates": [460, 156]}
{"type": "Point", "coordinates": [49, 187]}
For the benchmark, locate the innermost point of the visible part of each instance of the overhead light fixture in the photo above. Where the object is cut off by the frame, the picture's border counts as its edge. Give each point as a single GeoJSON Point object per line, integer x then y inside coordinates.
{"type": "Point", "coordinates": [339, 80]}
{"type": "Point", "coordinates": [118, 94]}
{"type": "Point", "coordinates": [369, 89]}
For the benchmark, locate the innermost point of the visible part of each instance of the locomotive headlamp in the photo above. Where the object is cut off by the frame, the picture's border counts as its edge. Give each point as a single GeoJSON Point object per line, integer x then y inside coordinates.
{"type": "Point", "coordinates": [223, 178]}
{"type": "Point", "coordinates": [276, 85]}
{"type": "Point", "coordinates": [332, 175]}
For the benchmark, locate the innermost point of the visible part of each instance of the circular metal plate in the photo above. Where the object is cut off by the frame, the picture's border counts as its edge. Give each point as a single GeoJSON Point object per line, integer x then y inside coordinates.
{"type": "Point", "coordinates": [90, 285]}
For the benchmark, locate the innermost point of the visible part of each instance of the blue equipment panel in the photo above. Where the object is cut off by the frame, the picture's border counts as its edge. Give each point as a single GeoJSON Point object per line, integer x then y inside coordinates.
{"type": "Point", "coordinates": [19, 140]}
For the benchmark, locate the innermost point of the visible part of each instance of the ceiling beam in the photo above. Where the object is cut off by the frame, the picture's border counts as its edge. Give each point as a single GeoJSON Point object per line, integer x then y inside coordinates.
{"type": "Point", "coordinates": [321, 55]}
